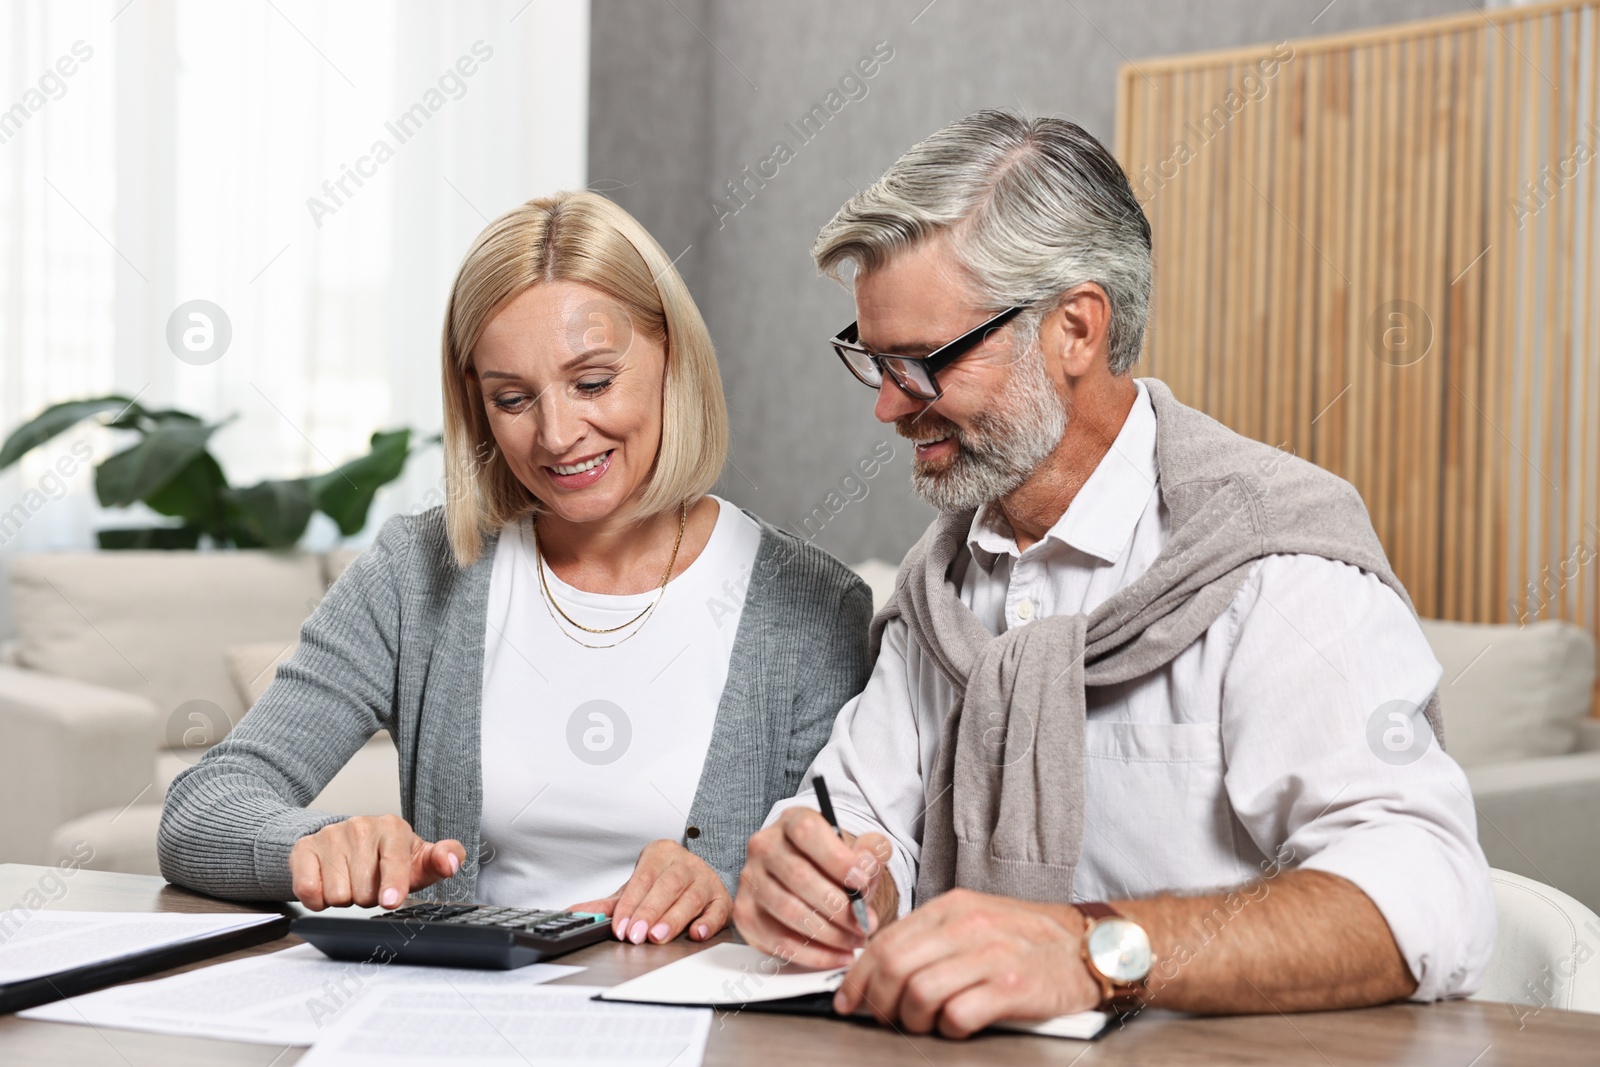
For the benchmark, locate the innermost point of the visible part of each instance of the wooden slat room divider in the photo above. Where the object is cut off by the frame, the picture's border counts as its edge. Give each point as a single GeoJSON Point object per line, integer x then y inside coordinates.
{"type": "Point", "coordinates": [1378, 251]}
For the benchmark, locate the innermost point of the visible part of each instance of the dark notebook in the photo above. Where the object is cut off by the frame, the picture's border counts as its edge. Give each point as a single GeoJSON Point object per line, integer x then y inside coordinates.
{"type": "Point", "coordinates": [732, 977]}
{"type": "Point", "coordinates": [100, 955]}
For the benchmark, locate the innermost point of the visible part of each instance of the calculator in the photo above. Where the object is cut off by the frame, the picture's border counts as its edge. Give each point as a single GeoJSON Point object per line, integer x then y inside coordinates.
{"type": "Point", "coordinates": [455, 935]}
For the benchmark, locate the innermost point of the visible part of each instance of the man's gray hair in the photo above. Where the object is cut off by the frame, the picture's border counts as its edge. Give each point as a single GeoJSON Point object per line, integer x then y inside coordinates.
{"type": "Point", "coordinates": [1034, 207]}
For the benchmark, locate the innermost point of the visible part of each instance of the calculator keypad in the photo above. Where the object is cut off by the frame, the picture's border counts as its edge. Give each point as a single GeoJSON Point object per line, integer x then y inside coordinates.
{"type": "Point", "coordinates": [543, 922]}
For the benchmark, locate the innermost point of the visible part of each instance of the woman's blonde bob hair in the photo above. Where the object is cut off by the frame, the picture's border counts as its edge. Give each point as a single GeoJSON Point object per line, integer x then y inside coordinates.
{"type": "Point", "coordinates": [576, 237]}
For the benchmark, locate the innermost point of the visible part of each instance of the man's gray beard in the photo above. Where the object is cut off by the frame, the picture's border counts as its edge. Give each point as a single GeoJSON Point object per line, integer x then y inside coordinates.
{"type": "Point", "coordinates": [1001, 449]}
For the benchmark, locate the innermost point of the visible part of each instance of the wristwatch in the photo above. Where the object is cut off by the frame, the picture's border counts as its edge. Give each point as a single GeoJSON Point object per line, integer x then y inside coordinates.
{"type": "Point", "coordinates": [1117, 952]}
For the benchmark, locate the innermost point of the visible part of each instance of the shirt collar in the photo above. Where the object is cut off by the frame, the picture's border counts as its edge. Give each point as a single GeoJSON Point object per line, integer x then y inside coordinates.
{"type": "Point", "coordinates": [1100, 520]}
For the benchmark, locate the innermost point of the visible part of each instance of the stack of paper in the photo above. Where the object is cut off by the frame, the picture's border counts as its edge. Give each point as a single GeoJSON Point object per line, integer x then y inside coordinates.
{"type": "Point", "coordinates": [371, 1013]}
{"type": "Point", "coordinates": [541, 1027]}
{"type": "Point", "coordinates": [365, 1014]}
{"type": "Point", "coordinates": [283, 998]}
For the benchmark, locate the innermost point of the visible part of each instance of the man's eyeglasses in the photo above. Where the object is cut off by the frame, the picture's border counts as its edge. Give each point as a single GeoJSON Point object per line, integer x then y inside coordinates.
{"type": "Point", "coordinates": [915, 375]}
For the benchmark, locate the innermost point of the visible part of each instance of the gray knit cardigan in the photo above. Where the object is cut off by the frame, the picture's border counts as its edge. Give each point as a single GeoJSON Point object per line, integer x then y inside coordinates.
{"type": "Point", "coordinates": [397, 645]}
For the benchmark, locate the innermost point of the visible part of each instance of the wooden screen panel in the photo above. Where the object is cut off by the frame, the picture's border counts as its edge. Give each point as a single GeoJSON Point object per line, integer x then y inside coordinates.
{"type": "Point", "coordinates": [1378, 251]}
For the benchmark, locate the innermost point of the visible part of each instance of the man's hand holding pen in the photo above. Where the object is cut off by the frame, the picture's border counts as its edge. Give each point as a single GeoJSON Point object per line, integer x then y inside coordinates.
{"type": "Point", "coordinates": [858, 903]}
{"type": "Point", "coordinates": [955, 965]}
{"type": "Point", "coordinates": [793, 899]}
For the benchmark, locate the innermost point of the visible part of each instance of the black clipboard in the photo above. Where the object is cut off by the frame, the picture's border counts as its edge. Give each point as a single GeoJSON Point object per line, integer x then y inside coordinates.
{"type": "Point", "coordinates": [821, 1005]}
{"type": "Point", "coordinates": [31, 992]}
{"type": "Point", "coordinates": [816, 1004]}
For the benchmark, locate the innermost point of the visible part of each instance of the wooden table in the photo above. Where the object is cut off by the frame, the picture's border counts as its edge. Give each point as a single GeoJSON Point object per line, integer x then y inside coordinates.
{"type": "Point", "coordinates": [1461, 1033]}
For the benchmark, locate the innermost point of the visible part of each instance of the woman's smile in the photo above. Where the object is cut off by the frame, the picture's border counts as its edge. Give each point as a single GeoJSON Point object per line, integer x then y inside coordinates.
{"type": "Point", "coordinates": [582, 473]}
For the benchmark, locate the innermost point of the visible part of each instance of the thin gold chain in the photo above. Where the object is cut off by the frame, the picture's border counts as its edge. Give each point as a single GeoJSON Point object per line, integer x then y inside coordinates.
{"type": "Point", "coordinates": [641, 618]}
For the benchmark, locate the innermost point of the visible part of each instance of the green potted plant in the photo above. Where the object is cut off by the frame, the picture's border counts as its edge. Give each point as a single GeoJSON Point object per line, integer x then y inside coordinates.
{"type": "Point", "coordinates": [171, 469]}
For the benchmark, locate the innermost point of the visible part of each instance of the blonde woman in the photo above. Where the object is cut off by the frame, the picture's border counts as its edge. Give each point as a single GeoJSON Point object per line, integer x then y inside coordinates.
{"type": "Point", "coordinates": [599, 677]}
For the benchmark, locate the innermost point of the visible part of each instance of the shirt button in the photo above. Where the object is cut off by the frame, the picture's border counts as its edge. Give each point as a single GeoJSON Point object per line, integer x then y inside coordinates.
{"type": "Point", "coordinates": [1025, 610]}
{"type": "Point", "coordinates": [693, 831]}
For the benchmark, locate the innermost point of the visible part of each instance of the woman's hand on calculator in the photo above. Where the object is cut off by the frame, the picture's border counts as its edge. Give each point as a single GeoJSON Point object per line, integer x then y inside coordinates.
{"type": "Point", "coordinates": [368, 860]}
{"type": "Point", "coordinates": [671, 889]}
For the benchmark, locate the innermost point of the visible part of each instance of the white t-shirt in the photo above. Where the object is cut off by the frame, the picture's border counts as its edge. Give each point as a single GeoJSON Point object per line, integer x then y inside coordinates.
{"type": "Point", "coordinates": [589, 754]}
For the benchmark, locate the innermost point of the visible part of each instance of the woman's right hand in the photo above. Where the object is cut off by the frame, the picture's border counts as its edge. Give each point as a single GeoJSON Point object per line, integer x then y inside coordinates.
{"type": "Point", "coordinates": [368, 860]}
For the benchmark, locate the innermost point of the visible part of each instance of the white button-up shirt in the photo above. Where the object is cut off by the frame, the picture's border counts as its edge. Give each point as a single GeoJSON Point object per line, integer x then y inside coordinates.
{"type": "Point", "coordinates": [1256, 744]}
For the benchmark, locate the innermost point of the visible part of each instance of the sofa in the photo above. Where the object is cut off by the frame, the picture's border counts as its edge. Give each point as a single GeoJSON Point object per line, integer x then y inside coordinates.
{"type": "Point", "coordinates": [126, 666]}
{"type": "Point", "coordinates": [1518, 704]}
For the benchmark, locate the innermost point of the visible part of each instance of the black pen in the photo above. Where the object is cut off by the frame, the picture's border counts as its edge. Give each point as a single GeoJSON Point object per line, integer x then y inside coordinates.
{"type": "Point", "coordinates": [857, 906]}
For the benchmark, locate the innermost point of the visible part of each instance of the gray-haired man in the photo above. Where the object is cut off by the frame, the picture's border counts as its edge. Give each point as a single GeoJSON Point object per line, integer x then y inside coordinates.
{"type": "Point", "coordinates": [1152, 721]}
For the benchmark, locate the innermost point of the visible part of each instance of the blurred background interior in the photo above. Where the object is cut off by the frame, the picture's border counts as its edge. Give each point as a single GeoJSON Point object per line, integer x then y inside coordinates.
{"type": "Point", "coordinates": [1375, 239]}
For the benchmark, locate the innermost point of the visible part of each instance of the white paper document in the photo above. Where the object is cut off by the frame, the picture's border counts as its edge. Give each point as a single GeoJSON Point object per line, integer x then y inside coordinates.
{"type": "Point", "coordinates": [283, 998]}
{"type": "Point", "coordinates": [37, 943]}
{"type": "Point", "coordinates": [725, 974]}
{"type": "Point", "coordinates": [729, 974]}
{"type": "Point", "coordinates": [547, 1026]}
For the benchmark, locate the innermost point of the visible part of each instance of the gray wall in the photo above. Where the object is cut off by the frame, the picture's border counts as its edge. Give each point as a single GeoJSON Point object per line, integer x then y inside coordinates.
{"type": "Point", "coordinates": [685, 93]}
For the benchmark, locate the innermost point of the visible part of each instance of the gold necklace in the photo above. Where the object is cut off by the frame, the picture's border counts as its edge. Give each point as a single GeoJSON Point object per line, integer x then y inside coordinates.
{"type": "Point", "coordinates": [641, 618]}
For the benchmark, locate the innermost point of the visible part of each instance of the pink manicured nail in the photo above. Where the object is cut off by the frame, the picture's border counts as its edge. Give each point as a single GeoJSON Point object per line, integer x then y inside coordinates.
{"type": "Point", "coordinates": [390, 897]}
{"type": "Point", "coordinates": [636, 935]}
{"type": "Point", "coordinates": [702, 931]}
{"type": "Point", "coordinates": [659, 932]}
{"type": "Point", "coordinates": [455, 864]}
{"type": "Point", "coordinates": [619, 925]}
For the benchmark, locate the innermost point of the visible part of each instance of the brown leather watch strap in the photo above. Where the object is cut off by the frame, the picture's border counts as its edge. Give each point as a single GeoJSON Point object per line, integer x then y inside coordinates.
{"type": "Point", "coordinates": [1096, 910]}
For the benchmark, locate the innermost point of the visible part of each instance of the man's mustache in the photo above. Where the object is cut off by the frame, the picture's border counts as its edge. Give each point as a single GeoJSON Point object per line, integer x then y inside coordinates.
{"type": "Point", "coordinates": [926, 425]}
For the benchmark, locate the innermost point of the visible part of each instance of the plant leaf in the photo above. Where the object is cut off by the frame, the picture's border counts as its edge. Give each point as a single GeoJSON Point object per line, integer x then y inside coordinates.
{"type": "Point", "coordinates": [134, 418]}
{"type": "Point", "coordinates": [136, 472]}
{"type": "Point", "coordinates": [138, 418]}
{"type": "Point", "coordinates": [194, 494]}
{"type": "Point", "coordinates": [345, 493]}
{"type": "Point", "coordinates": [269, 514]}
{"type": "Point", "coordinates": [167, 414]}
{"type": "Point", "coordinates": [53, 420]}
{"type": "Point", "coordinates": [164, 537]}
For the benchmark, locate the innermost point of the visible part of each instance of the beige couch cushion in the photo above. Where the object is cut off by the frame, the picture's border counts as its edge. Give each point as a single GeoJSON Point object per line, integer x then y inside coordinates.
{"type": "Point", "coordinates": [112, 839]}
{"type": "Point", "coordinates": [1537, 817]}
{"type": "Point", "coordinates": [66, 748]}
{"type": "Point", "coordinates": [334, 563]}
{"type": "Point", "coordinates": [368, 785]}
{"type": "Point", "coordinates": [879, 577]}
{"type": "Point", "coordinates": [252, 667]}
{"type": "Point", "coordinates": [124, 839]}
{"type": "Point", "coordinates": [1511, 692]}
{"type": "Point", "coordinates": [155, 624]}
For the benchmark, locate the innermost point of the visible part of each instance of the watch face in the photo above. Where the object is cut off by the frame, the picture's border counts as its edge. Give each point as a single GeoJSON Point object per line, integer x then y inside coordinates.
{"type": "Point", "coordinates": [1120, 950]}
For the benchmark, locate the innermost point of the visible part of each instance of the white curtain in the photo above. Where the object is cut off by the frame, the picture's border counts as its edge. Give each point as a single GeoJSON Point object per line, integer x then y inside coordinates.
{"type": "Point", "coordinates": [230, 152]}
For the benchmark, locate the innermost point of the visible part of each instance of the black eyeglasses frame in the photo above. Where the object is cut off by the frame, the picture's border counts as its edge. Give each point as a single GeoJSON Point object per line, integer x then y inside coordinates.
{"type": "Point", "coordinates": [846, 343]}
